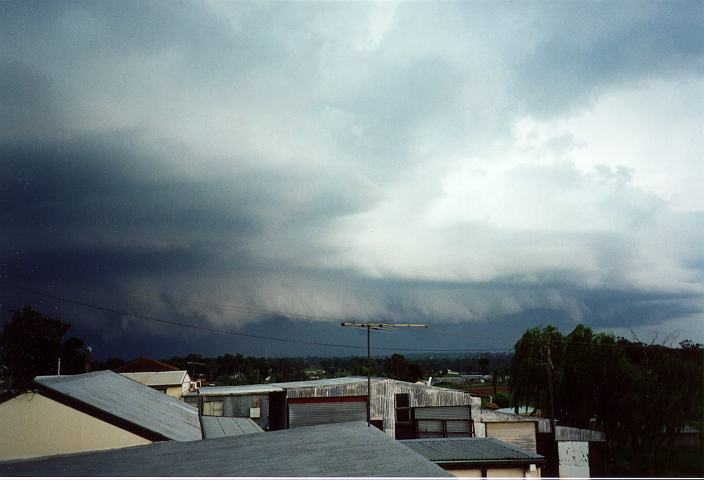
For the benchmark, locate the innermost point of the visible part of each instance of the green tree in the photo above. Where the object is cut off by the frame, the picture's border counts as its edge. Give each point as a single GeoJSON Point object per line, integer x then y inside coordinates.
{"type": "Point", "coordinates": [640, 395]}
{"type": "Point", "coordinates": [32, 343]}
{"type": "Point", "coordinates": [398, 368]}
{"type": "Point", "coordinates": [528, 375]}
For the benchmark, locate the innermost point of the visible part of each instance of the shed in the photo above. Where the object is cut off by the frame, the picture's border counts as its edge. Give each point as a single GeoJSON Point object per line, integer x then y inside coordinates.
{"type": "Point", "coordinates": [92, 411]}
{"type": "Point", "coordinates": [579, 451]}
{"type": "Point", "coordinates": [519, 430]}
{"type": "Point", "coordinates": [479, 457]}
{"type": "Point", "coordinates": [340, 450]}
{"type": "Point", "coordinates": [173, 382]}
{"type": "Point", "coordinates": [247, 401]}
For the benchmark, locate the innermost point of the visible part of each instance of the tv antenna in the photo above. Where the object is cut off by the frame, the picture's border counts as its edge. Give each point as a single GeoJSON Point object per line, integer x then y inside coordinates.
{"type": "Point", "coordinates": [376, 326]}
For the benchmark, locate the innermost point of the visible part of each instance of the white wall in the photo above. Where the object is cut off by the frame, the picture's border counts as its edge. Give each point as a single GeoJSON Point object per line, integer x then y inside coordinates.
{"type": "Point", "coordinates": [574, 459]}
{"type": "Point", "coordinates": [35, 426]}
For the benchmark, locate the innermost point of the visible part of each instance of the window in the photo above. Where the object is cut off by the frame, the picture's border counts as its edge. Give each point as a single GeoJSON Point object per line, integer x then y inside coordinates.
{"type": "Point", "coordinates": [403, 410]}
{"type": "Point", "coordinates": [213, 407]}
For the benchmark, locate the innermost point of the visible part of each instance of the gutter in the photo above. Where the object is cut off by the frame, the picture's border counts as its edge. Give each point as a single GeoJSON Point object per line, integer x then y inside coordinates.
{"type": "Point", "coordinates": [489, 463]}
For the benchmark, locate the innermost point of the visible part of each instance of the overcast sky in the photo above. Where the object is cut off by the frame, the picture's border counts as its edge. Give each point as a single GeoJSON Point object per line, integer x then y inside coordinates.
{"type": "Point", "coordinates": [479, 166]}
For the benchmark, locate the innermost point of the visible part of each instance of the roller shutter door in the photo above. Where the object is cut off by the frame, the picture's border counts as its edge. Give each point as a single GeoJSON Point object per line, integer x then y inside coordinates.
{"type": "Point", "coordinates": [521, 434]}
{"type": "Point", "coordinates": [443, 421]}
{"type": "Point", "coordinates": [303, 412]}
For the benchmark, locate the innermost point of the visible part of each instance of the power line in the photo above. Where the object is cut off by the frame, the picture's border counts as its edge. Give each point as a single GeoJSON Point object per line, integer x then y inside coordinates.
{"type": "Point", "coordinates": [242, 309]}
{"type": "Point", "coordinates": [230, 332]}
{"type": "Point", "coordinates": [278, 339]}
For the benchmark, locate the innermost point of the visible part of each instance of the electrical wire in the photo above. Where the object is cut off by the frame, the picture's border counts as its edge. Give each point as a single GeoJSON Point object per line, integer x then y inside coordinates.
{"type": "Point", "coordinates": [230, 332]}
{"type": "Point", "coordinates": [278, 339]}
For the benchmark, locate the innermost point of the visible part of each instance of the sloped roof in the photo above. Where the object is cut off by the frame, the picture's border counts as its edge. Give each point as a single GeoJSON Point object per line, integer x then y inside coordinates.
{"type": "Point", "coordinates": [323, 383]}
{"type": "Point", "coordinates": [144, 364]}
{"type": "Point", "coordinates": [239, 390]}
{"type": "Point", "coordinates": [480, 450]}
{"type": "Point", "coordinates": [109, 394]}
{"type": "Point", "coordinates": [281, 386]}
{"type": "Point", "coordinates": [499, 416]}
{"type": "Point", "coordinates": [338, 450]}
{"type": "Point", "coordinates": [158, 379]}
{"type": "Point", "coordinates": [216, 427]}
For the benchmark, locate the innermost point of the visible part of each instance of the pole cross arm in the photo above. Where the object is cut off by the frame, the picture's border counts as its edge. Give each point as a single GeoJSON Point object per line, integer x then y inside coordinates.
{"type": "Point", "coordinates": [382, 326]}
{"type": "Point", "coordinates": [369, 326]}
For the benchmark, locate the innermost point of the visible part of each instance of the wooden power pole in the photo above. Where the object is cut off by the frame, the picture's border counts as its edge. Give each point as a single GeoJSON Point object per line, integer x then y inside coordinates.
{"type": "Point", "coordinates": [369, 327]}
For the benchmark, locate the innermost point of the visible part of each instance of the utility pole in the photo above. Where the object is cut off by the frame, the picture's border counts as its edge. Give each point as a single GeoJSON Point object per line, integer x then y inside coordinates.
{"type": "Point", "coordinates": [549, 367]}
{"type": "Point", "coordinates": [370, 327]}
{"type": "Point", "coordinates": [194, 368]}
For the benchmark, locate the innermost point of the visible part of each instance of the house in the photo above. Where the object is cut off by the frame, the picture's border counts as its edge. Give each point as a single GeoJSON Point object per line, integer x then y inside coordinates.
{"type": "Point", "coordinates": [401, 409]}
{"type": "Point", "coordinates": [144, 364]}
{"type": "Point", "coordinates": [478, 457]}
{"type": "Point", "coordinates": [340, 450]}
{"type": "Point", "coordinates": [92, 411]}
{"type": "Point", "coordinates": [174, 383]}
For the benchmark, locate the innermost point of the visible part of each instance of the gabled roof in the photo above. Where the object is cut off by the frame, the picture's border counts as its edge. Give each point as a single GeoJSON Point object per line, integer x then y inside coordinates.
{"type": "Point", "coordinates": [338, 450]}
{"type": "Point", "coordinates": [144, 364]}
{"type": "Point", "coordinates": [125, 403]}
{"type": "Point", "coordinates": [216, 427]}
{"type": "Point", "coordinates": [479, 450]}
{"type": "Point", "coordinates": [158, 379]}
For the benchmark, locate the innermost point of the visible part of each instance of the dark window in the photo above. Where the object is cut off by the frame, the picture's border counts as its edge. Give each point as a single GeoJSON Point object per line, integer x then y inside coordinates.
{"type": "Point", "coordinates": [403, 415]}
{"type": "Point", "coordinates": [402, 400]}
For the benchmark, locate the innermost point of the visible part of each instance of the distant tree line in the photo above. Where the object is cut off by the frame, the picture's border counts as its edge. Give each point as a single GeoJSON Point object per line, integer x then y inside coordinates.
{"type": "Point", "coordinates": [641, 395]}
{"type": "Point", "coordinates": [32, 343]}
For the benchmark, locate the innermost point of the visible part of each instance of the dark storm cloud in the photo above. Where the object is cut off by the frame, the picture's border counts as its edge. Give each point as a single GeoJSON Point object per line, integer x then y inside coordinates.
{"type": "Point", "coordinates": [348, 161]}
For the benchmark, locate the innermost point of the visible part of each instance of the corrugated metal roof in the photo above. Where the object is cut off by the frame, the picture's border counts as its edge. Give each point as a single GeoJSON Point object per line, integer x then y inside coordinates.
{"type": "Point", "coordinates": [128, 400]}
{"type": "Point", "coordinates": [239, 390]}
{"type": "Point", "coordinates": [157, 379]}
{"type": "Point", "coordinates": [478, 450]}
{"type": "Point", "coordinates": [338, 450]}
{"type": "Point", "coordinates": [325, 382]}
{"type": "Point", "coordinates": [216, 427]}
{"type": "Point", "coordinates": [497, 416]}
{"type": "Point", "coordinates": [281, 386]}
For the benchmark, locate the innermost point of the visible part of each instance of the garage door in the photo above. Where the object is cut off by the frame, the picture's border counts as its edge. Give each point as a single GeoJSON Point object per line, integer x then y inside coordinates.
{"type": "Point", "coordinates": [521, 434]}
{"type": "Point", "coordinates": [303, 412]}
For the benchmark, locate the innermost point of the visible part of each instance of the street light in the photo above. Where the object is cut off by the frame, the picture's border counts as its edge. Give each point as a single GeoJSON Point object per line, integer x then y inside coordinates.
{"type": "Point", "coordinates": [376, 326]}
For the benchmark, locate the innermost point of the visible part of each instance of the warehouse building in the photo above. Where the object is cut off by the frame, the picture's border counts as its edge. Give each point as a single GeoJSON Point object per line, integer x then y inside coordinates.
{"type": "Point", "coordinates": [401, 409]}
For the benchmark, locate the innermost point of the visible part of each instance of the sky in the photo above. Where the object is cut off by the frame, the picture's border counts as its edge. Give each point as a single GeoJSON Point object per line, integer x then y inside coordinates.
{"type": "Point", "coordinates": [275, 168]}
